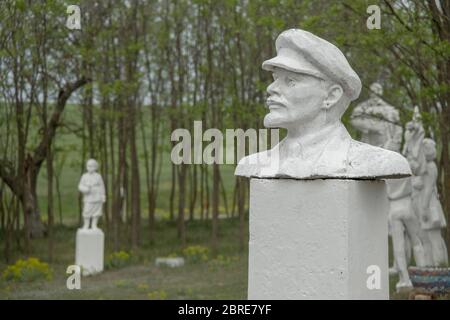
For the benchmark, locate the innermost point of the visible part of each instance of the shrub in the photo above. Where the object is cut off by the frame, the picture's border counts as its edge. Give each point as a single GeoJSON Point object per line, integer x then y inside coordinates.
{"type": "Point", "coordinates": [142, 287]}
{"type": "Point", "coordinates": [157, 295]}
{"type": "Point", "coordinates": [27, 271]}
{"type": "Point", "coordinates": [222, 261]}
{"type": "Point", "coordinates": [118, 259]}
{"type": "Point", "coordinates": [196, 254]}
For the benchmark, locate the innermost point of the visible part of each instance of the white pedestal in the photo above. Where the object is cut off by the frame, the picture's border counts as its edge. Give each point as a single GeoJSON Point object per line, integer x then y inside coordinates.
{"type": "Point", "coordinates": [315, 239]}
{"type": "Point", "coordinates": [89, 250]}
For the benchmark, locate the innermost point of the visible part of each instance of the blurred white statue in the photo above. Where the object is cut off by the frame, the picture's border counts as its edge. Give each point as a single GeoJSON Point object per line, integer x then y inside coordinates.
{"type": "Point", "coordinates": [93, 189]}
{"type": "Point", "coordinates": [433, 216]}
{"type": "Point", "coordinates": [413, 151]}
{"type": "Point", "coordinates": [421, 153]}
{"type": "Point", "coordinates": [379, 124]}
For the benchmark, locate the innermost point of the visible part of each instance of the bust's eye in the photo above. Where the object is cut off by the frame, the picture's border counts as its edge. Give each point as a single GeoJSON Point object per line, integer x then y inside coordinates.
{"type": "Point", "coordinates": [291, 82]}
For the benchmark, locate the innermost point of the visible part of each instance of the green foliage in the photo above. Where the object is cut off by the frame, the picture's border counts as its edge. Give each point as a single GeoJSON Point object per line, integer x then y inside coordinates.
{"type": "Point", "coordinates": [122, 283]}
{"type": "Point", "coordinates": [222, 261]}
{"type": "Point", "coordinates": [157, 295]}
{"type": "Point", "coordinates": [142, 287]}
{"type": "Point", "coordinates": [118, 260]}
{"type": "Point", "coordinates": [195, 254]}
{"type": "Point", "coordinates": [28, 270]}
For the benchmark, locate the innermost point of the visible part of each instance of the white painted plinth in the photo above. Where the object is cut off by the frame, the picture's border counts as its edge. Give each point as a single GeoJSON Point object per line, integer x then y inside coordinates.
{"type": "Point", "coordinates": [89, 250]}
{"type": "Point", "coordinates": [170, 262]}
{"type": "Point", "coordinates": [315, 239]}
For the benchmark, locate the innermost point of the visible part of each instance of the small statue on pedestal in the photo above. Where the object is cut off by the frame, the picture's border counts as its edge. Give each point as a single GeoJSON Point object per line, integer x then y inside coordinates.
{"type": "Point", "coordinates": [93, 189]}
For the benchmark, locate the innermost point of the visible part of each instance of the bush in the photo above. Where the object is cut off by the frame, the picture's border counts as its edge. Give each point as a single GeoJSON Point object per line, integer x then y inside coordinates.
{"type": "Point", "coordinates": [196, 254]}
{"type": "Point", "coordinates": [118, 259]}
{"type": "Point", "coordinates": [222, 261]}
{"type": "Point", "coordinates": [27, 271]}
{"type": "Point", "coordinates": [157, 295]}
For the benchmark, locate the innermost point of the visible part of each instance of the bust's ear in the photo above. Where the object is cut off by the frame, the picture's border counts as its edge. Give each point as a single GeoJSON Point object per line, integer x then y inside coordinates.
{"type": "Point", "coordinates": [335, 93]}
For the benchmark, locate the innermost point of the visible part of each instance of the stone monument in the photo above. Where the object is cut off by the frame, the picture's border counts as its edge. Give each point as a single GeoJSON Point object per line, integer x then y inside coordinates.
{"type": "Point", "coordinates": [379, 124]}
{"type": "Point", "coordinates": [318, 205]}
{"type": "Point", "coordinates": [378, 121]}
{"type": "Point", "coordinates": [433, 219]}
{"type": "Point", "coordinates": [89, 250]}
{"type": "Point", "coordinates": [421, 153]}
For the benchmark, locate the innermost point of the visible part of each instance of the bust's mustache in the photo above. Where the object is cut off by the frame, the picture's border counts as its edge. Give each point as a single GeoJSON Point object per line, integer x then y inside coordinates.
{"type": "Point", "coordinates": [275, 101]}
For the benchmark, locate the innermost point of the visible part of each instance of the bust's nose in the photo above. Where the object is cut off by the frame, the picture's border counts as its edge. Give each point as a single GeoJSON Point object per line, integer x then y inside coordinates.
{"type": "Point", "coordinates": [273, 88]}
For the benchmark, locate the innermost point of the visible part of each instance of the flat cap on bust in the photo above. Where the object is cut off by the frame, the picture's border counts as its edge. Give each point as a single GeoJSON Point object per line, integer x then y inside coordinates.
{"type": "Point", "coordinates": [301, 51]}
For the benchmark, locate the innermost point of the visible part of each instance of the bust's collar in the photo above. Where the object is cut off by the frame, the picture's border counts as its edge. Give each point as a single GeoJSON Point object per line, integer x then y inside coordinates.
{"type": "Point", "coordinates": [323, 154]}
{"type": "Point", "coordinates": [334, 158]}
{"type": "Point", "coordinates": [317, 140]}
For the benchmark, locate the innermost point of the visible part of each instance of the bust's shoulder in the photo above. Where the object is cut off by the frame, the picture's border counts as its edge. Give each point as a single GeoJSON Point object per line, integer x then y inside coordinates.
{"type": "Point", "coordinates": [250, 165]}
{"type": "Point", "coordinates": [376, 161]}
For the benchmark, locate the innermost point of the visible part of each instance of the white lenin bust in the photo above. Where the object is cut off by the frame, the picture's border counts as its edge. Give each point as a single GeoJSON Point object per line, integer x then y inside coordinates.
{"type": "Point", "coordinates": [313, 85]}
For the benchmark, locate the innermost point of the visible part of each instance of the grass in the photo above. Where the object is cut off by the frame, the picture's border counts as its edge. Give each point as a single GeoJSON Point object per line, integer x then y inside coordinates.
{"type": "Point", "coordinates": [142, 279]}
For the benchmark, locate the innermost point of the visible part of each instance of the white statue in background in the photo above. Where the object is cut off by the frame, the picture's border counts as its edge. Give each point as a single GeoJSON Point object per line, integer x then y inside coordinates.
{"type": "Point", "coordinates": [313, 85]}
{"type": "Point", "coordinates": [93, 189]}
{"type": "Point", "coordinates": [433, 219]}
{"type": "Point", "coordinates": [421, 153]}
{"type": "Point", "coordinates": [379, 124]}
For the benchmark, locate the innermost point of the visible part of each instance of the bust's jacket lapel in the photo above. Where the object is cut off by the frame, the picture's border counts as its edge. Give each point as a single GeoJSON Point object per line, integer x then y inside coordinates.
{"type": "Point", "coordinates": [334, 158]}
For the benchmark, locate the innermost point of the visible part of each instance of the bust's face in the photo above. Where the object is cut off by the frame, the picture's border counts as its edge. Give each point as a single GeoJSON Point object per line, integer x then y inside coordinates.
{"type": "Point", "coordinates": [294, 99]}
{"type": "Point", "coordinates": [91, 166]}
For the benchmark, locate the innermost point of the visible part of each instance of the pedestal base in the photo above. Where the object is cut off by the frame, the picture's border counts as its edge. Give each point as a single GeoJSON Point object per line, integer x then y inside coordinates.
{"type": "Point", "coordinates": [89, 250]}
{"type": "Point", "coordinates": [316, 239]}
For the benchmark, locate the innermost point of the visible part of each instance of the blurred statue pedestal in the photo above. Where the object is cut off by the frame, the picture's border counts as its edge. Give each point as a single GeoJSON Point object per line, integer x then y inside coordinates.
{"type": "Point", "coordinates": [318, 239]}
{"type": "Point", "coordinates": [89, 250]}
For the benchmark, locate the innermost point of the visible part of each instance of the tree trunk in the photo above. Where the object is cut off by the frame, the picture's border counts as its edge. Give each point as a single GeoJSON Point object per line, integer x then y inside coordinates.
{"type": "Point", "coordinates": [59, 197]}
{"type": "Point", "coordinates": [2, 210]}
{"type": "Point", "coordinates": [181, 204]}
{"type": "Point", "coordinates": [202, 193]}
{"type": "Point", "coordinates": [32, 217]}
{"type": "Point", "coordinates": [135, 190]}
{"type": "Point", "coordinates": [215, 210]}
{"type": "Point", "coordinates": [193, 193]}
{"type": "Point", "coordinates": [224, 195]}
{"type": "Point", "coordinates": [172, 193]}
{"type": "Point", "coordinates": [50, 216]}
{"type": "Point", "coordinates": [241, 210]}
